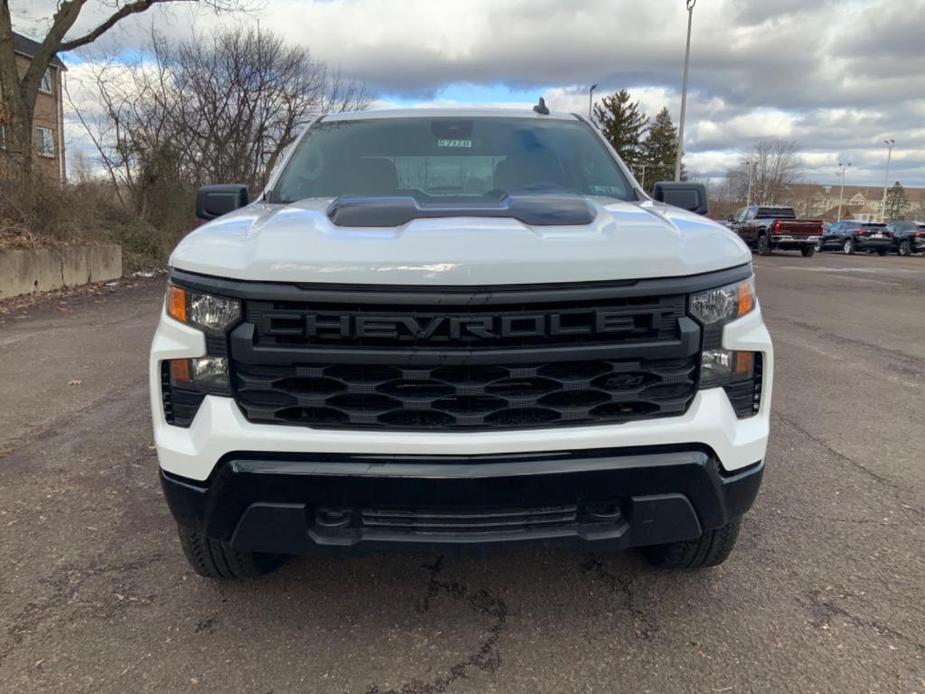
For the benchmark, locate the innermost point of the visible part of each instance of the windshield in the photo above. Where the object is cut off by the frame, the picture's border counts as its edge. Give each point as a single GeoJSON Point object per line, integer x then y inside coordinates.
{"type": "Point", "coordinates": [450, 158]}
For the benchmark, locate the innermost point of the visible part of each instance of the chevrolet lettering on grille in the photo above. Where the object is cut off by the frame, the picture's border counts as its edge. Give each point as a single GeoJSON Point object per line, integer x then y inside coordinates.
{"type": "Point", "coordinates": [424, 328]}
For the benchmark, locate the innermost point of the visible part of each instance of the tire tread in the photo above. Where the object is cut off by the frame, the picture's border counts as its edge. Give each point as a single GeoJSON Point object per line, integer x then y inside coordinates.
{"type": "Point", "coordinates": [214, 559]}
{"type": "Point", "coordinates": [712, 548]}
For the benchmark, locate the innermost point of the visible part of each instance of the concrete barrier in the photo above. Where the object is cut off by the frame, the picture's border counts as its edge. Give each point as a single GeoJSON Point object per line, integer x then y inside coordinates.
{"type": "Point", "coordinates": [23, 272]}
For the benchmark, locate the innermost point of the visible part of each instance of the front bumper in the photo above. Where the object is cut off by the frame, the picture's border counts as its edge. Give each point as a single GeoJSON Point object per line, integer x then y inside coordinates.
{"type": "Point", "coordinates": [613, 498]}
{"type": "Point", "coordinates": [220, 428]}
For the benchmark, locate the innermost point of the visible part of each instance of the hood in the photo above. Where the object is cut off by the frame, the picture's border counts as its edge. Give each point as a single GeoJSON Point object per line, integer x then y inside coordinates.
{"type": "Point", "coordinates": [298, 243]}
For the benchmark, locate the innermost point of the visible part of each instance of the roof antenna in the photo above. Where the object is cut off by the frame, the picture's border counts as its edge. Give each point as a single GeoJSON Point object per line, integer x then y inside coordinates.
{"type": "Point", "coordinates": [541, 107]}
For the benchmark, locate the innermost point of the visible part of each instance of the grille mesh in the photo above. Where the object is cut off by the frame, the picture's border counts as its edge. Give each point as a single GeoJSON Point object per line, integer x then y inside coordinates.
{"type": "Point", "coordinates": [462, 397]}
{"type": "Point", "coordinates": [436, 521]}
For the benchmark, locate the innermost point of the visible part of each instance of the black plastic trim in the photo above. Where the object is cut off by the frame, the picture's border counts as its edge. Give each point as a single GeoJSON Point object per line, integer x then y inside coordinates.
{"type": "Point", "coordinates": [398, 210]}
{"type": "Point", "coordinates": [457, 295]}
{"type": "Point", "coordinates": [268, 502]}
{"type": "Point", "coordinates": [246, 352]}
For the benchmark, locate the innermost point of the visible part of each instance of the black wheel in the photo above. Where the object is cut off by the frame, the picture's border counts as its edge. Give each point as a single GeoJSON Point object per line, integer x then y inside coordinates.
{"type": "Point", "coordinates": [764, 245]}
{"type": "Point", "coordinates": [214, 559]}
{"type": "Point", "coordinates": [808, 251]}
{"type": "Point", "coordinates": [820, 247]}
{"type": "Point", "coordinates": [848, 247]}
{"type": "Point", "coordinates": [710, 549]}
{"type": "Point", "coordinates": [904, 247]}
{"type": "Point", "coordinates": [882, 251]}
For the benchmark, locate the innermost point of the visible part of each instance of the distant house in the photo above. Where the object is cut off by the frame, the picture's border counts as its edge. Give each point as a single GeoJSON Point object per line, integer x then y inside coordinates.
{"type": "Point", "coordinates": [48, 121]}
{"type": "Point", "coordinates": [862, 203]}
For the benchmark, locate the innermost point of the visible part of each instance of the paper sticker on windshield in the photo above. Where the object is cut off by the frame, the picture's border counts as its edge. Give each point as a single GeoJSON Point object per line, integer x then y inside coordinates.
{"type": "Point", "coordinates": [455, 144]}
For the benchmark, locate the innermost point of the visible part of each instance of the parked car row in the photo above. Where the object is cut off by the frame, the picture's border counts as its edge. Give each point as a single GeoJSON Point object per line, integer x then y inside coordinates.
{"type": "Point", "coordinates": [849, 236]}
{"type": "Point", "coordinates": [908, 237]}
{"type": "Point", "coordinates": [766, 229]}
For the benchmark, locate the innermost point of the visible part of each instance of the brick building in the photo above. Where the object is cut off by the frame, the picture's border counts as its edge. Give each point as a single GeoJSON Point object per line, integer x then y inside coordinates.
{"type": "Point", "coordinates": [48, 121]}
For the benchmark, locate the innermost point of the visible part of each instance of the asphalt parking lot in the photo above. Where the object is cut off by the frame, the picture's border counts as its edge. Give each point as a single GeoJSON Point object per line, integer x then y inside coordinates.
{"type": "Point", "coordinates": [825, 592]}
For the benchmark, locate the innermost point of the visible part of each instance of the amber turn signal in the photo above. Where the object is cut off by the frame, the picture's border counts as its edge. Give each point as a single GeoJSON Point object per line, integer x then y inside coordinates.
{"type": "Point", "coordinates": [744, 364]}
{"type": "Point", "coordinates": [180, 371]}
{"type": "Point", "coordinates": [176, 303]}
{"type": "Point", "coordinates": [746, 298]}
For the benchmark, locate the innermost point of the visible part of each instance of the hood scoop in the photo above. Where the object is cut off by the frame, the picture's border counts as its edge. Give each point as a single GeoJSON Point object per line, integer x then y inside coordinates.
{"type": "Point", "coordinates": [397, 210]}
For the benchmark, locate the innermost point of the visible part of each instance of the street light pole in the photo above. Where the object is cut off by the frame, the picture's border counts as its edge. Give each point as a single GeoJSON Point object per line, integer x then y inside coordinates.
{"type": "Point", "coordinates": [841, 195]}
{"type": "Point", "coordinates": [886, 178]}
{"type": "Point", "coordinates": [591, 102]}
{"type": "Point", "coordinates": [687, 58]}
{"type": "Point", "coordinates": [751, 168]}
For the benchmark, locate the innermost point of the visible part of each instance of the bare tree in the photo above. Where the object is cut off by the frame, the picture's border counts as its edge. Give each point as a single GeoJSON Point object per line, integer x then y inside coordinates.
{"type": "Point", "coordinates": [768, 169]}
{"type": "Point", "coordinates": [246, 96]}
{"type": "Point", "coordinates": [207, 110]}
{"type": "Point", "coordinates": [19, 91]}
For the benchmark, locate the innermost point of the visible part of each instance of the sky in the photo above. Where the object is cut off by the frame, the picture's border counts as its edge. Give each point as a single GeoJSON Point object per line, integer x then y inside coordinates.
{"type": "Point", "coordinates": [836, 76]}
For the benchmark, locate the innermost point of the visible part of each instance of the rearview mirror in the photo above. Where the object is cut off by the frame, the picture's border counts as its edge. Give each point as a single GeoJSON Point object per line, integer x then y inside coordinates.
{"type": "Point", "coordinates": [216, 200]}
{"type": "Point", "coordinates": [688, 196]}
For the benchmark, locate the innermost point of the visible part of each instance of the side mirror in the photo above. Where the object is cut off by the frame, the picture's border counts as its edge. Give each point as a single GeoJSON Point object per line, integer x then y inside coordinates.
{"type": "Point", "coordinates": [214, 201]}
{"type": "Point", "coordinates": [688, 196]}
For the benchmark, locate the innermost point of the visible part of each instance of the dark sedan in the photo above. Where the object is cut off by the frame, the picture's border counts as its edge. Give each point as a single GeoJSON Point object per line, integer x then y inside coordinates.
{"type": "Point", "coordinates": [908, 237]}
{"type": "Point", "coordinates": [849, 236]}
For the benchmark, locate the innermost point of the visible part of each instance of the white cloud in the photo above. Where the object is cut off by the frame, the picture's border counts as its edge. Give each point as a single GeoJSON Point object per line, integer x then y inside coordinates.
{"type": "Point", "coordinates": [838, 77]}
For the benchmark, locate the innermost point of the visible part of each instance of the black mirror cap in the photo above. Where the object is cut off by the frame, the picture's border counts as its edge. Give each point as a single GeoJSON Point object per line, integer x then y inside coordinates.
{"type": "Point", "coordinates": [215, 200]}
{"type": "Point", "coordinates": [688, 196]}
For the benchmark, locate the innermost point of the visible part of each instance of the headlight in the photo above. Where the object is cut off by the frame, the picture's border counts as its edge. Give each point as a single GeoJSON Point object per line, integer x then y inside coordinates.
{"type": "Point", "coordinates": [725, 303]}
{"type": "Point", "coordinates": [202, 310]}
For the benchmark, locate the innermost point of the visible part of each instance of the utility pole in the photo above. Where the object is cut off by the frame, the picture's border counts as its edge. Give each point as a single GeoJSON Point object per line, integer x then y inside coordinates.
{"type": "Point", "coordinates": [687, 59]}
{"type": "Point", "coordinates": [591, 102]}
{"type": "Point", "coordinates": [886, 178]}
{"type": "Point", "coordinates": [841, 195]}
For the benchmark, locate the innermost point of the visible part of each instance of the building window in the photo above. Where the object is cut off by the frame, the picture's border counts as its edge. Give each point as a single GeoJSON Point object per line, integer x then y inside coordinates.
{"type": "Point", "coordinates": [46, 84]}
{"type": "Point", "coordinates": [2, 136]}
{"type": "Point", "coordinates": [45, 141]}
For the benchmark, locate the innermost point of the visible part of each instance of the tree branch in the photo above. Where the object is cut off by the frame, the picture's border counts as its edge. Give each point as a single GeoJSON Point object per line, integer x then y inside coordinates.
{"type": "Point", "coordinates": [126, 10]}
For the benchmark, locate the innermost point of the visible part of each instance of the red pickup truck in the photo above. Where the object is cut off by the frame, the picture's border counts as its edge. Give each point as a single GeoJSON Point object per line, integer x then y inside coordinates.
{"type": "Point", "coordinates": [766, 229]}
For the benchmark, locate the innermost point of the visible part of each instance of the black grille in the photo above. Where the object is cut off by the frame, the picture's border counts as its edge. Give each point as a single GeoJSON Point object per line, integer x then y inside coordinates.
{"type": "Point", "coordinates": [609, 320]}
{"type": "Point", "coordinates": [465, 397]}
{"type": "Point", "coordinates": [464, 360]}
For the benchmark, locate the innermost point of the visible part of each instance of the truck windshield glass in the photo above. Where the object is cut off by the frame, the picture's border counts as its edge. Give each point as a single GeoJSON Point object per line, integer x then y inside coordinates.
{"type": "Point", "coordinates": [450, 158]}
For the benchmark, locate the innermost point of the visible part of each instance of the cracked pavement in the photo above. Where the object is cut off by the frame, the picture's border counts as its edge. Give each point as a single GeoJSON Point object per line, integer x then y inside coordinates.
{"type": "Point", "coordinates": [824, 593]}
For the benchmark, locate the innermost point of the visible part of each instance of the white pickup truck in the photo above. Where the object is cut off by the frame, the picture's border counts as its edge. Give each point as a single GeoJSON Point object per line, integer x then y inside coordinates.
{"type": "Point", "coordinates": [440, 329]}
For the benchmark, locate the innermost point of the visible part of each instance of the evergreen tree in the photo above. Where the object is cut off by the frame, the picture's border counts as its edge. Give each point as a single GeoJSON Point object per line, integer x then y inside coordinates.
{"type": "Point", "coordinates": [659, 151]}
{"type": "Point", "coordinates": [623, 123]}
{"type": "Point", "coordinates": [896, 203]}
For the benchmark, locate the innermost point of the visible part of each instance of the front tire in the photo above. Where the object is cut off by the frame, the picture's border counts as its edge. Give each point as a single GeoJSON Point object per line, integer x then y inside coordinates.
{"type": "Point", "coordinates": [904, 247]}
{"type": "Point", "coordinates": [710, 549]}
{"type": "Point", "coordinates": [764, 245]}
{"type": "Point", "coordinates": [808, 251]}
{"type": "Point", "coordinates": [214, 559]}
{"type": "Point", "coordinates": [848, 247]}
